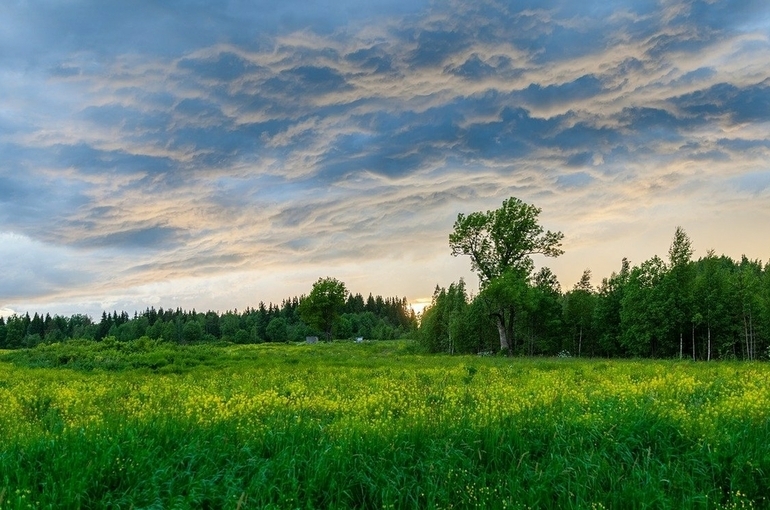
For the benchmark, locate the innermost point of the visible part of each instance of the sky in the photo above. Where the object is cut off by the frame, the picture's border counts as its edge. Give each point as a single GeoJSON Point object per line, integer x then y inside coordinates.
{"type": "Point", "coordinates": [212, 155]}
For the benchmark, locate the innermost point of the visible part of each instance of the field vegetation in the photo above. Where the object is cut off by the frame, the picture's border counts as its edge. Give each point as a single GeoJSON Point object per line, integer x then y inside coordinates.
{"type": "Point", "coordinates": [147, 424]}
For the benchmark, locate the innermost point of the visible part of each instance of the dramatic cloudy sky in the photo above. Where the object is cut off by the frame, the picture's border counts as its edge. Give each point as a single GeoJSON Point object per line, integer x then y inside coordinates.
{"type": "Point", "coordinates": [215, 154]}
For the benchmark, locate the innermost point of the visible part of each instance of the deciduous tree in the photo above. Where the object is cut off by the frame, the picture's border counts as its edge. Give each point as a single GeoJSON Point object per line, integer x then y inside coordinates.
{"type": "Point", "coordinates": [500, 244]}
{"type": "Point", "coordinates": [322, 307]}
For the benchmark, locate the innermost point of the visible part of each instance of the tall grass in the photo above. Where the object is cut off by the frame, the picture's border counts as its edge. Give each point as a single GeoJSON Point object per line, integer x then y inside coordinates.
{"type": "Point", "coordinates": [374, 426]}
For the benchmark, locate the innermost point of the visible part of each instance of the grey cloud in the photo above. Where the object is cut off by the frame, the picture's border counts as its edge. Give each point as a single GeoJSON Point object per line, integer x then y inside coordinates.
{"type": "Point", "coordinates": [565, 43]}
{"type": "Point", "coordinates": [580, 159]}
{"type": "Point", "coordinates": [655, 121]}
{"type": "Point", "coordinates": [298, 245]}
{"type": "Point", "coordinates": [583, 134]}
{"type": "Point", "coordinates": [740, 104]}
{"type": "Point", "coordinates": [373, 59]}
{"type": "Point", "coordinates": [475, 68]}
{"type": "Point", "coordinates": [155, 237]}
{"type": "Point", "coordinates": [31, 269]}
{"type": "Point", "coordinates": [511, 135]}
{"type": "Point", "coordinates": [742, 146]}
{"type": "Point", "coordinates": [305, 81]}
{"type": "Point", "coordinates": [169, 28]}
{"type": "Point", "coordinates": [202, 111]}
{"type": "Point", "coordinates": [700, 74]}
{"type": "Point", "coordinates": [434, 47]}
{"type": "Point", "coordinates": [708, 155]}
{"type": "Point", "coordinates": [584, 87]}
{"type": "Point", "coordinates": [297, 215]}
{"type": "Point", "coordinates": [386, 162]}
{"type": "Point", "coordinates": [685, 42]}
{"type": "Point", "coordinates": [28, 201]}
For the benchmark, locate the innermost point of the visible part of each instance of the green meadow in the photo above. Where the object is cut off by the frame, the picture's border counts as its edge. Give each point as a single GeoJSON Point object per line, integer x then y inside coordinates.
{"type": "Point", "coordinates": [143, 424]}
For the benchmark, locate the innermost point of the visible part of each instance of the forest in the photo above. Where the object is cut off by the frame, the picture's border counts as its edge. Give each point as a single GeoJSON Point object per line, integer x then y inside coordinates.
{"type": "Point", "coordinates": [374, 317]}
{"type": "Point", "coordinates": [710, 308]}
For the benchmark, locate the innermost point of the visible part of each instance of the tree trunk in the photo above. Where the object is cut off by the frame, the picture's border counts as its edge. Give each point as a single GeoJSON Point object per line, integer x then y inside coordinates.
{"type": "Point", "coordinates": [504, 345]}
{"type": "Point", "coordinates": [680, 344]}
{"type": "Point", "coordinates": [709, 349]}
{"type": "Point", "coordinates": [693, 341]}
{"type": "Point", "coordinates": [580, 340]}
{"type": "Point", "coordinates": [510, 332]}
{"type": "Point", "coordinates": [752, 342]}
{"type": "Point", "coordinates": [746, 334]}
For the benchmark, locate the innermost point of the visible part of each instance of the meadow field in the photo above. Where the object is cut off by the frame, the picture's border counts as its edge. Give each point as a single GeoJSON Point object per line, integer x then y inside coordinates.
{"type": "Point", "coordinates": [375, 425]}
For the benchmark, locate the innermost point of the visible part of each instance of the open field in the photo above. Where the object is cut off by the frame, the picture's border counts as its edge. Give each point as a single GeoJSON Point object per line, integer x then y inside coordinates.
{"type": "Point", "coordinates": [375, 426]}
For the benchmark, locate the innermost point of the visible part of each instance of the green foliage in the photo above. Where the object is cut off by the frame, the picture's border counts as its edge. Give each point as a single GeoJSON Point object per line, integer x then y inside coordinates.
{"type": "Point", "coordinates": [448, 323]}
{"type": "Point", "coordinates": [277, 330]}
{"type": "Point", "coordinates": [579, 307]}
{"type": "Point", "coordinates": [192, 332]}
{"type": "Point", "coordinates": [321, 309]}
{"type": "Point", "coordinates": [114, 355]}
{"type": "Point", "coordinates": [607, 312]}
{"type": "Point", "coordinates": [377, 318]}
{"type": "Point", "coordinates": [504, 239]}
{"type": "Point", "coordinates": [709, 308]}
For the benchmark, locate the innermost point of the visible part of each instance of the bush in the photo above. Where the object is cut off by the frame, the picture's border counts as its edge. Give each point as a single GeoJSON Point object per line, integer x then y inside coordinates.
{"type": "Point", "coordinates": [111, 354]}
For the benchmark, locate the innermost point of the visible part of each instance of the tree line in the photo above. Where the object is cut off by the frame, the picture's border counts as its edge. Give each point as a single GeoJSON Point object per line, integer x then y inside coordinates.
{"type": "Point", "coordinates": [710, 308]}
{"type": "Point", "coordinates": [374, 317]}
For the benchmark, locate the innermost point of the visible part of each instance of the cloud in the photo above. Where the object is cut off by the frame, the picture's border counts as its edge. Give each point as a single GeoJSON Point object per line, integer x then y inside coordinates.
{"type": "Point", "coordinates": [435, 47]}
{"type": "Point", "coordinates": [219, 137]}
{"type": "Point", "coordinates": [738, 104]}
{"type": "Point", "coordinates": [32, 269]}
{"type": "Point", "coordinates": [155, 237]}
{"type": "Point", "coordinates": [305, 81]}
{"type": "Point", "coordinates": [583, 87]}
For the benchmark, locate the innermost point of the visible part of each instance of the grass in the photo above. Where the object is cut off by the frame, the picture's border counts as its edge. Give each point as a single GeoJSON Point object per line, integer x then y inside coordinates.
{"type": "Point", "coordinates": [374, 425]}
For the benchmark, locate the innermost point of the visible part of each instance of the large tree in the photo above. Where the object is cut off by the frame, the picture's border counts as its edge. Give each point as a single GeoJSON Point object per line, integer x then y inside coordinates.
{"type": "Point", "coordinates": [500, 244]}
{"type": "Point", "coordinates": [321, 309]}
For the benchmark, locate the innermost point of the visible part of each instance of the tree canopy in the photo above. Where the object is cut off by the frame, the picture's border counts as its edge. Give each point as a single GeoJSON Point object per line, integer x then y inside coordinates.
{"type": "Point", "coordinates": [503, 239]}
{"type": "Point", "coordinates": [322, 307]}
